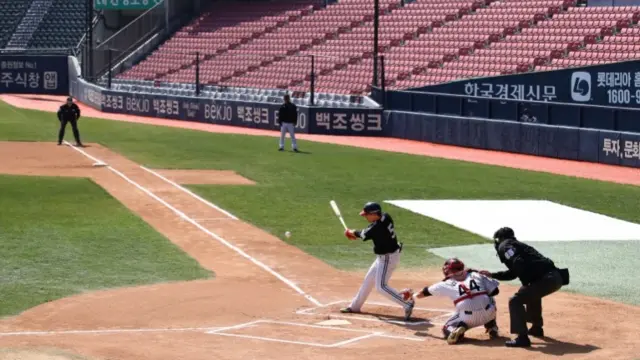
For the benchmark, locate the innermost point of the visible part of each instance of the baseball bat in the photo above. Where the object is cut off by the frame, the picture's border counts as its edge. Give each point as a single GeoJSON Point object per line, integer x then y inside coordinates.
{"type": "Point", "coordinates": [336, 210]}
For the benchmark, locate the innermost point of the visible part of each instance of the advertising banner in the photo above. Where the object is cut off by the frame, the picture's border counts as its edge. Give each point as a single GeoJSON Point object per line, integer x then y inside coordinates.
{"type": "Point", "coordinates": [616, 84]}
{"type": "Point", "coordinates": [34, 75]}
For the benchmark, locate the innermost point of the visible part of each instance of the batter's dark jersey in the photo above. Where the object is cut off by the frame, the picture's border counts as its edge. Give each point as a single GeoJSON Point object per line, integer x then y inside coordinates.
{"type": "Point", "coordinates": [383, 235]}
{"type": "Point", "coordinates": [523, 262]}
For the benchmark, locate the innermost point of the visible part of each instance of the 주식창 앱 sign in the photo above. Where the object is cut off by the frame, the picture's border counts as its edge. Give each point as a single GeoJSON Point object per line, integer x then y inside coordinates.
{"type": "Point", "coordinates": [34, 75]}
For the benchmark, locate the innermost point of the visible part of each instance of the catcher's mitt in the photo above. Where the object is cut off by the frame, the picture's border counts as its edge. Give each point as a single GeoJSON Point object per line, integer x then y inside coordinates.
{"type": "Point", "coordinates": [406, 294]}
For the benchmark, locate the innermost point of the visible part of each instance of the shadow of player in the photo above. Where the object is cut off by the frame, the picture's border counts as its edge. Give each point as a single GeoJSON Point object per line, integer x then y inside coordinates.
{"type": "Point", "coordinates": [400, 322]}
{"type": "Point", "coordinates": [551, 346]}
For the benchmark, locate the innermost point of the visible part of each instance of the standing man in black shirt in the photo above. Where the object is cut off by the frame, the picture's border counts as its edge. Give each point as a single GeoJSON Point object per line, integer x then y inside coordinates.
{"type": "Point", "coordinates": [69, 113]}
{"type": "Point", "coordinates": [387, 250]}
{"type": "Point", "coordinates": [539, 277]}
{"type": "Point", "coordinates": [288, 117]}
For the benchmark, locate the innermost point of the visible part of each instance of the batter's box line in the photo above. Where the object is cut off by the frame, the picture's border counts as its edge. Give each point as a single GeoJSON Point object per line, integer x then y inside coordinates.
{"type": "Point", "coordinates": [366, 334]}
{"type": "Point", "coordinates": [434, 321]}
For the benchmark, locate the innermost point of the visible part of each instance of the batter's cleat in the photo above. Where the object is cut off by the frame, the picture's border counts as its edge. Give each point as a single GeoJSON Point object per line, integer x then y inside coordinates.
{"type": "Point", "coordinates": [296, 150]}
{"type": "Point", "coordinates": [521, 341]}
{"type": "Point", "coordinates": [536, 331]}
{"type": "Point", "coordinates": [348, 310]}
{"type": "Point", "coordinates": [409, 310]}
{"type": "Point", "coordinates": [280, 149]}
{"type": "Point", "coordinates": [456, 335]}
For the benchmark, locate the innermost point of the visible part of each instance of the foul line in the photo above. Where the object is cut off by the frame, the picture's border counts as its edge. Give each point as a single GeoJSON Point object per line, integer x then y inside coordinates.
{"type": "Point", "coordinates": [194, 195]}
{"type": "Point", "coordinates": [105, 331]}
{"type": "Point", "coordinates": [205, 230]}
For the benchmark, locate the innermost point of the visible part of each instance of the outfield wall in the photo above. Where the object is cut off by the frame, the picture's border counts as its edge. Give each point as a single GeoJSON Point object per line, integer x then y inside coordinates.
{"type": "Point", "coordinates": [564, 142]}
{"type": "Point", "coordinates": [598, 146]}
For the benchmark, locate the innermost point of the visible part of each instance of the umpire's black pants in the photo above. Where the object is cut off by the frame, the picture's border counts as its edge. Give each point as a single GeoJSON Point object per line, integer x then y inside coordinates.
{"type": "Point", "coordinates": [74, 127]}
{"type": "Point", "coordinates": [531, 295]}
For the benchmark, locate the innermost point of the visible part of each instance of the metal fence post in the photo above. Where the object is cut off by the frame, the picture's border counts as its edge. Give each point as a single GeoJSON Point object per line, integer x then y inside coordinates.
{"type": "Point", "coordinates": [376, 25]}
{"type": "Point", "coordinates": [313, 80]}
{"type": "Point", "coordinates": [382, 82]}
{"type": "Point", "coordinates": [197, 73]}
{"type": "Point", "coordinates": [110, 66]}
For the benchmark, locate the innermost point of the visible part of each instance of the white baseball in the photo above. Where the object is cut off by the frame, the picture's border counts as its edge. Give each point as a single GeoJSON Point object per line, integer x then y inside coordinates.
{"type": "Point", "coordinates": [287, 234]}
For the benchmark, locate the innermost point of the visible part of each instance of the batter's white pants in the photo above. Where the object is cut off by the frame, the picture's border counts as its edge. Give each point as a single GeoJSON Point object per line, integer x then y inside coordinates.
{"type": "Point", "coordinates": [470, 318]}
{"type": "Point", "coordinates": [288, 128]}
{"type": "Point", "coordinates": [378, 276]}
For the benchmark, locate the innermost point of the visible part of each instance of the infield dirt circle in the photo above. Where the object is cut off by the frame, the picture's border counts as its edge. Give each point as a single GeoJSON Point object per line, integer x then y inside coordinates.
{"type": "Point", "coordinates": [251, 308]}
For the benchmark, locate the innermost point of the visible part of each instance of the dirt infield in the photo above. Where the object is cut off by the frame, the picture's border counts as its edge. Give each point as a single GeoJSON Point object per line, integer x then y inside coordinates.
{"type": "Point", "coordinates": [268, 299]}
{"type": "Point", "coordinates": [271, 300]}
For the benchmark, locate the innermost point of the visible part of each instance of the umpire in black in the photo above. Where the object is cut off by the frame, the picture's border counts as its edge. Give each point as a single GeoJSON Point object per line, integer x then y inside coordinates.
{"type": "Point", "coordinates": [539, 277]}
{"type": "Point", "coordinates": [69, 113]}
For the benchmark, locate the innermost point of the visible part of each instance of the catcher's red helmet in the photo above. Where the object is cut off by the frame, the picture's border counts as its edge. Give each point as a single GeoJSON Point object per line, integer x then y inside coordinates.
{"type": "Point", "coordinates": [452, 266]}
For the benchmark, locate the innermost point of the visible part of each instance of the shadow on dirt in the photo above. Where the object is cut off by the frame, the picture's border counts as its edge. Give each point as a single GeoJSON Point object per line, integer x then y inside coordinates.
{"type": "Point", "coordinates": [546, 345]}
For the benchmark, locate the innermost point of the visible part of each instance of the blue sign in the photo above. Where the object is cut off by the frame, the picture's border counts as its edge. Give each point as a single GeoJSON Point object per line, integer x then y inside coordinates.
{"type": "Point", "coordinates": [34, 75]}
{"type": "Point", "coordinates": [616, 84]}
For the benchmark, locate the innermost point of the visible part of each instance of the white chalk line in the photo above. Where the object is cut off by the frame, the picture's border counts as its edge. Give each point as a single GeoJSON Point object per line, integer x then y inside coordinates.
{"type": "Point", "coordinates": [207, 231]}
{"type": "Point", "coordinates": [191, 193]}
{"type": "Point", "coordinates": [104, 331]}
{"type": "Point", "coordinates": [446, 313]}
{"type": "Point", "coordinates": [366, 333]}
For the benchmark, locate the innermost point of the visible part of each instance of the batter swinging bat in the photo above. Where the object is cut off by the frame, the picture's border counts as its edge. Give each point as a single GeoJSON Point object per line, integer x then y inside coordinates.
{"type": "Point", "coordinates": [336, 210]}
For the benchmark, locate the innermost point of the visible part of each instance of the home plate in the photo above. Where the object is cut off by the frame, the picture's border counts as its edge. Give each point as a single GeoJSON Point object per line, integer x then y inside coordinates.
{"type": "Point", "coordinates": [334, 322]}
{"type": "Point", "coordinates": [532, 220]}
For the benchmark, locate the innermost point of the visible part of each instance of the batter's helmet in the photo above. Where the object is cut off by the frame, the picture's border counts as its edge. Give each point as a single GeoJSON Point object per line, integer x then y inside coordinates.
{"type": "Point", "coordinates": [452, 266]}
{"type": "Point", "coordinates": [371, 208]}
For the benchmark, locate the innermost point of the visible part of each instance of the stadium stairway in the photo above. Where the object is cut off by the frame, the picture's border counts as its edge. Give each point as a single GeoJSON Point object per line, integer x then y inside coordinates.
{"type": "Point", "coordinates": [29, 24]}
{"type": "Point", "coordinates": [225, 27]}
{"type": "Point", "coordinates": [11, 14]}
{"type": "Point", "coordinates": [62, 27]}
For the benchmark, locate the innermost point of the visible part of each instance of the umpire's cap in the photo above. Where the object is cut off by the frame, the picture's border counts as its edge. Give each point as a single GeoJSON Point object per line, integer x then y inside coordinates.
{"type": "Point", "coordinates": [371, 208]}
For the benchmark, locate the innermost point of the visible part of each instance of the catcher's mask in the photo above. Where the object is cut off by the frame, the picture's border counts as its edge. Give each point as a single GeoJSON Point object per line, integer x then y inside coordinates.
{"type": "Point", "coordinates": [452, 267]}
{"type": "Point", "coordinates": [502, 234]}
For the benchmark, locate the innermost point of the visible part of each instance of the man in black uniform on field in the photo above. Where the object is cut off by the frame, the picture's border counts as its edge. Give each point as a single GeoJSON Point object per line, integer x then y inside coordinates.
{"type": "Point", "coordinates": [387, 249]}
{"type": "Point", "coordinates": [288, 117]}
{"type": "Point", "coordinates": [539, 277]}
{"type": "Point", "coordinates": [69, 113]}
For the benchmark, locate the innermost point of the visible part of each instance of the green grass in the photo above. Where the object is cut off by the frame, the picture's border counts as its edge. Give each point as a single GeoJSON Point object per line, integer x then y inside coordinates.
{"type": "Point", "coordinates": [293, 190]}
{"type": "Point", "coordinates": [62, 236]}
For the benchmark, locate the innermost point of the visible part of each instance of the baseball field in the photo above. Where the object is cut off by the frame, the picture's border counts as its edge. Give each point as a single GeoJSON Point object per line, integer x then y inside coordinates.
{"type": "Point", "coordinates": [176, 249]}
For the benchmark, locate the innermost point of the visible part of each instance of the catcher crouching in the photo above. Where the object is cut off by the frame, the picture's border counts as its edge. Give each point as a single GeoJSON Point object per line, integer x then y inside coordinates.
{"type": "Point", "coordinates": [472, 295]}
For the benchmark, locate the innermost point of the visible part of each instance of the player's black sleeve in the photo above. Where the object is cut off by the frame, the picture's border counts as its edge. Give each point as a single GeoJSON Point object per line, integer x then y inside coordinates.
{"type": "Point", "coordinates": [60, 114]}
{"type": "Point", "coordinates": [370, 232]}
{"type": "Point", "coordinates": [77, 110]}
{"type": "Point", "coordinates": [504, 275]}
{"type": "Point", "coordinates": [425, 291]}
{"type": "Point", "coordinates": [495, 292]}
